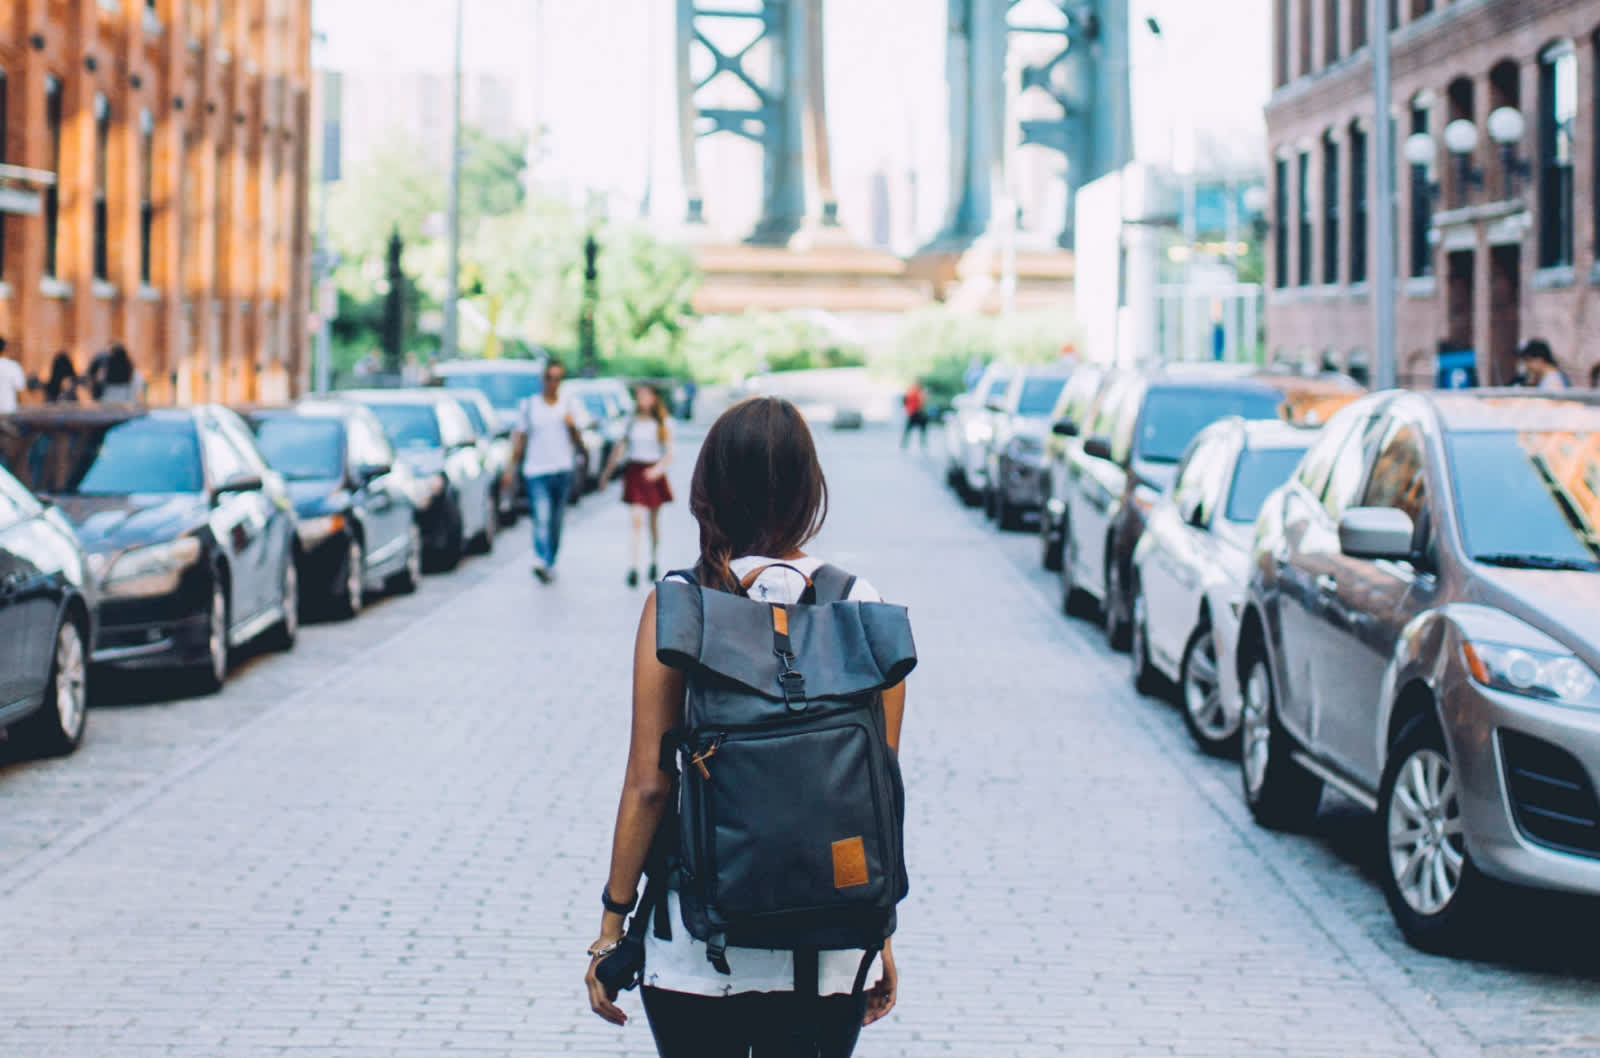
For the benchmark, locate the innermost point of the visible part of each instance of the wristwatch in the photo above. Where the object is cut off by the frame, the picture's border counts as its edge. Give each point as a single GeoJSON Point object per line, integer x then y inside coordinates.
{"type": "Point", "coordinates": [616, 907]}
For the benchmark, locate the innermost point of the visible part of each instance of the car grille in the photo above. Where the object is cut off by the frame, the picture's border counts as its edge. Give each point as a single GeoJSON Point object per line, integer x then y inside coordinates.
{"type": "Point", "coordinates": [1551, 795]}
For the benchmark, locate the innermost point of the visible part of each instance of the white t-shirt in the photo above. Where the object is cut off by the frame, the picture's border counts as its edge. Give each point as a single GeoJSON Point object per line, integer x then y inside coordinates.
{"type": "Point", "coordinates": [644, 441]}
{"type": "Point", "coordinates": [679, 964]}
{"type": "Point", "coordinates": [13, 380]}
{"type": "Point", "coordinates": [1553, 379]}
{"type": "Point", "coordinates": [549, 449]}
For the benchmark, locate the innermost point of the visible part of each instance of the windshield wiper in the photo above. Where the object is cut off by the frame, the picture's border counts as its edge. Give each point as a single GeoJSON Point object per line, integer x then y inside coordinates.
{"type": "Point", "coordinates": [1512, 560]}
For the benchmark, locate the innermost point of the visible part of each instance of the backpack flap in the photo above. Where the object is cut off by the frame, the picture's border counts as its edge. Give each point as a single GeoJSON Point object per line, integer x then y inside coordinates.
{"type": "Point", "coordinates": [843, 650]}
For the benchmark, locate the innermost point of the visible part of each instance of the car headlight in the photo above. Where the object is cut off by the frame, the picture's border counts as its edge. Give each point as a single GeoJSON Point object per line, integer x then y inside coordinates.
{"type": "Point", "coordinates": [153, 570]}
{"type": "Point", "coordinates": [1555, 676]}
{"type": "Point", "coordinates": [314, 531]}
{"type": "Point", "coordinates": [979, 433]}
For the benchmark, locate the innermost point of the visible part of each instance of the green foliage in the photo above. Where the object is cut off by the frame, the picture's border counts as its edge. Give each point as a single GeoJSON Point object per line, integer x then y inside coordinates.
{"type": "Point", "coordinates": [936, 345]}
{"type": "Point", "coordinates": [729, 348]}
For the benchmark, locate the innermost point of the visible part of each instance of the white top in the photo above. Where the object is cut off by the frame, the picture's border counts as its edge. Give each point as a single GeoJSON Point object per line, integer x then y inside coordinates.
{"type": "Point", "coordinates": [544, 424]}
{"type": "Point", "coordinates": [644, 441]}
{"type": "Point", "coordinates": [13, 380]}
{"type": "Point", "coordinates": [1553, 380]}
{"type": "Point", "coordinates": [679, 964]}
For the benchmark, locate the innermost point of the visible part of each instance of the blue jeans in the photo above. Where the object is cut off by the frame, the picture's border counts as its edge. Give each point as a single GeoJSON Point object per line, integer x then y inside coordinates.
{"type": "Point", "coordinates": [547, 497]}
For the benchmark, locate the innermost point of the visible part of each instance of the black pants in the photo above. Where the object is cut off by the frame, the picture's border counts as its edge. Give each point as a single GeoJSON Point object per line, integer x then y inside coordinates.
{"type": "Point", "coordinates": [753, 1024]}
{"type": "Point", "coordinates": [916, 421]}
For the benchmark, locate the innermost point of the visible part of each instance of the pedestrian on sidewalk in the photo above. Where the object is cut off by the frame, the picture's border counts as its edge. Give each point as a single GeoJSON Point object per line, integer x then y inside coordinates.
{"type": "Point", "coordinates": [1537, 366]}
{"type": "Point", "coordinates": [123, 382]}
{"type": "Point", "coordinates": [63, 384]}
{"type": "Point", "coordinates": [916, 403]}
{"type": "Point", "coordinates": [544, 445]}
{"type": "Point", "coordinates": [647, 449]}
{"type": "Point", "coordinates": [759, 496]}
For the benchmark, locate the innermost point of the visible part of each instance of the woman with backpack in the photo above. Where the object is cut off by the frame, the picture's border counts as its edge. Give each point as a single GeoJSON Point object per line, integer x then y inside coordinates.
{"type": "Point", "coordinates": [759, 496]}
{"type": "Point", "coordinates": [647, 447]}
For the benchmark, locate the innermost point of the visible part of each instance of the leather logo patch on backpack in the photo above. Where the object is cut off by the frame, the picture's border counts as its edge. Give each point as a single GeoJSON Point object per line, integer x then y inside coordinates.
{"type": "Point", "coordinates": [849, 863]}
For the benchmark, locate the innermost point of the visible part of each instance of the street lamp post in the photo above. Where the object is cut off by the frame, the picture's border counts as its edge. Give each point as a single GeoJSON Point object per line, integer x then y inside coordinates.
{"type": "Point", "coordinates": [1383, 194]}
{"type": "Point", "coordinates": [449, 339]}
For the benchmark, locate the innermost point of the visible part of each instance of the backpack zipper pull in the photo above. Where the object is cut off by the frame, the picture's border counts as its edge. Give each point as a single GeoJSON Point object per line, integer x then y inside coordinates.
{"type": "Point", "coordinates": [699, 759]}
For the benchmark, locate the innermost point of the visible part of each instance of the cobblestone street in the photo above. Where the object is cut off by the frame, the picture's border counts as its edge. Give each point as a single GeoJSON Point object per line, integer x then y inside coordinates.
{"type": "Point", "coordinates": [389, 842]}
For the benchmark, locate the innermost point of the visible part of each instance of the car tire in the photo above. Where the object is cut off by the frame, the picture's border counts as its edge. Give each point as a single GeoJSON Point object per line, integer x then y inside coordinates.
{"type": "Point", "coordinates": [1423, 843]}
{"type": "Point", "coordinates": [281, 636]}
{"type": "Point", "coordinates": [448, 556]}
{"type": "Point", "coordinates": [969, 495]}
{"type": "Point", "coordinates": [1200, 695]}
{"type": "Point", "coordinates": [483, 543]}
{"type": "Point", "coordinates": [409, 579]}
{"type": "Point", "coordinates": [1075, 602]}
{"type": "Point", "coordinates": [1280, 794]}
{"type": "Point", "coordinates": [1007, 514]}
{"type": "Point", "coordinates": [1146, 680]}
{"type": "Point", "coordinates": [506, 512]}
{"type": "Point", "coordinates": [56, 729]}
{"type": "Point", "coordinates": [1113, 611]}
{"type": "Point", "coordinates": [1050, 545]}
{"type": "Point", "coordinates": [352, 594]}
{"type": "Point", "coordinates": [210, 676]}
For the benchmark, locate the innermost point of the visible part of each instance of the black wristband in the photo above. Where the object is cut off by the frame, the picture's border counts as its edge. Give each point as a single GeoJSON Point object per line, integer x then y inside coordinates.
{"type": "Point", "coordinates": [616, 907]}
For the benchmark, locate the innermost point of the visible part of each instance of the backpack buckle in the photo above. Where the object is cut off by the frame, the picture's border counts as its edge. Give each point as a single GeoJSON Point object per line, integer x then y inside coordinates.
{"type": "Point", "coordinates": [792, 682]}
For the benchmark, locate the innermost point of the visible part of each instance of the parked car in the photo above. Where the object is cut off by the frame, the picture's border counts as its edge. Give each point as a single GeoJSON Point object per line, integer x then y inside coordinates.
{"type": "Point", "coordinates": [191, 537]}
{"type": "Point", "coordinates": [46, 623]}
{"type": "Point", "coordinates": [1192, 565]}
{"type": "Point", "coordinates": [1074, 407]}
{"type": "Point", "coordinates": [494, 441]}
{"type": "Point", "coordinates": [605, 422]}
{"type": "Point", "coordinates": [1014, 455]}
{"type": "Point", "coordinates": [1142, 426]}
{"type": "Point", "coordinates": [1420, 634]}
{"type": "Point", "coordinates": [507, 383]}
{"type": "Point", "coordinates": [968, 429]}
{"type": "Point", "coordinates": [353, 498]}
{"type": "Point", "coordinates": [455, 496]}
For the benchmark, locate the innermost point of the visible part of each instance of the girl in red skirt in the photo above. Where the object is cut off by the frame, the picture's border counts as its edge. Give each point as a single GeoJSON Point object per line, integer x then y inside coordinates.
{"type": "Point", "coordinates": [647, 449]}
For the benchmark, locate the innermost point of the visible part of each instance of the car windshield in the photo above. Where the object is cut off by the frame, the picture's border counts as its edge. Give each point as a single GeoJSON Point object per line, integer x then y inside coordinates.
{"type": "Point", "coordinates": [596, 405]}
{"type": "Point", "coordinates": [505, 390]}
{"type": "Point", "coordinates": [409, 425]}
{"type": "Point", "coordinates": [1260, 470]}
{"type": "Point", "coordinates": [302, 449]}
{"type": "Point", "coordinates": [1172, 417]}
{"type": "Point", "coordinates": [1038, 396]}
{"type": "Point", "coordinates": [145, 455]}
{"type": "Point", "coordinates": [1551, 479]}
{"type": "Point", "coordinates": [475, 413]}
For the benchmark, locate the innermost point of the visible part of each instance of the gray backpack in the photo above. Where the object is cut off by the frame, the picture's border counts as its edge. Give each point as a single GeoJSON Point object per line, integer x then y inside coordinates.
{"type": "Point", "coordinates": [790, 804]}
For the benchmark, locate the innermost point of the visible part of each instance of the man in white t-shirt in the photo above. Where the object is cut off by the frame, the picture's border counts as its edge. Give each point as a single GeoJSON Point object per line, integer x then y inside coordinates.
{"type": "Point", "coordinates": [13, 381]}
{"type": "Point", "coordinates": [543, 445]}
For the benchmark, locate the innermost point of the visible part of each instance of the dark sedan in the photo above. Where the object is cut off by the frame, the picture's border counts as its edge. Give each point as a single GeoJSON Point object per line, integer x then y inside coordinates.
{"type": "Point", "coordinates": [191, 538]}
{"type": "Point", "coordinates": [358, 524]}
{"type": "Point", "coordinates": [1016, 450]}
{"type": "Point", "coordinates": [455, 487]}
{"type": "Point", "coordinates": [46, 623]}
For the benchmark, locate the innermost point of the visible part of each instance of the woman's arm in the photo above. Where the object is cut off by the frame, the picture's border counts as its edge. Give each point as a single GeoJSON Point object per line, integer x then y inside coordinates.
{"type": "Point", "coordinates": [657, 707]}
{"type": "Point", "coordinates": [881, 996]}
{"type": "Point", "coordinates": [618, 450]}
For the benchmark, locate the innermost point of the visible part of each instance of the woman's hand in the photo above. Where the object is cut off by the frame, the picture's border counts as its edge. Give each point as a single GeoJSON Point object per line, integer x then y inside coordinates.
{"type": "Point", "coordinates": [655, 472]}
{"type": "Point", "coordinates": [601, 999]}
{"type": "Point", "coordinates": [881, 996]}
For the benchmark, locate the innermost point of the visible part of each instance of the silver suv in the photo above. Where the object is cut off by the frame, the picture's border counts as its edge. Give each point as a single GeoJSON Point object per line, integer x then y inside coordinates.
{"type": "Point", "coordinates": [1422, 632]}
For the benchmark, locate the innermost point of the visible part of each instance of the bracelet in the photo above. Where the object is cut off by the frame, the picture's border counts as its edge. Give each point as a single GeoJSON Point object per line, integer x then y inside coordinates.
{"type": "Point", "coordinates": [617, 907]}
{"type": "Point", "coordinates": [605, 949]}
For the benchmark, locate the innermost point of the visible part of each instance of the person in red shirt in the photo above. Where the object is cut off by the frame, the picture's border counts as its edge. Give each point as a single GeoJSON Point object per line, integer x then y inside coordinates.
{"type": "Point", "coordinates": [916, 404]}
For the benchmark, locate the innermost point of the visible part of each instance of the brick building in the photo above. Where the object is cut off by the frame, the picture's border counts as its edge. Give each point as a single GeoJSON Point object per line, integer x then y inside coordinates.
{"type": "Point", "coordinates": [1497, 220]}
{"type": "Point", "coordinates": [176, 133]}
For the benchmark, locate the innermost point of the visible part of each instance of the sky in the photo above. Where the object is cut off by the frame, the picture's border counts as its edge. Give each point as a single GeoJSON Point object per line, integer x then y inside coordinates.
{"type": "Point", "coordinates": [601, 78]}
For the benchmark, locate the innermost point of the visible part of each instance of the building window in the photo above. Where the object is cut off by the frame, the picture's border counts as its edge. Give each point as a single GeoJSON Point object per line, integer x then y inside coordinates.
{"type": "Point", "coordinates": [52, 194]}
{"type": "Point", "coordinates": [1280, 39]}
{"type": "Point", "coordinates": [1420, 8]}
{"type": "Point", "coordinates": [1358, 204]}
{"type": "Point", "coordinates": [1558, 106]}
{"type": "Point", "coordinates": [102, 179]}
{"type": "Point", "coordinates": [1330, 31]}
{"type": "Point", "coordinates": [1421, 204]}
{"type": "Point", "coordinates": [1330, 209]}
{"type": "Point", "coordinates": [147, 209]}
{"type": "Point", "coordinates": [1304, 38]}
{"type": "Point", "coordinates": [1302, 189]}
{"type": "Point", "coordinates": [1358, 24]}
{"type": "Point", "coordinates": [1280, 223]}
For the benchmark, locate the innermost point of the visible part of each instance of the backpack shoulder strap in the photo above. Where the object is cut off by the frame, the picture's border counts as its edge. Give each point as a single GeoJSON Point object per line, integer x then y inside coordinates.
{"type": "Point", "coordinates": [832, 584]}
{"type": "Point", "coordinates": [688, 576]}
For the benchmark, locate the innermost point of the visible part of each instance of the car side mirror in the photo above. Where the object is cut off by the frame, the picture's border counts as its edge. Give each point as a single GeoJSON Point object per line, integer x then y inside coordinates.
{"type": "Point", "coordinates": [1191, 512]}
{"type": "Point", "coordinates": [1064, 428]}
{"type": "Point", "coordinates": [367, 473]}
{"type": "Point", "coordinates": [246, 482]}
{"type": "Point", "coordinates": [1097, 447]}
{"type": "Point", "coordinates": [1377, 533]}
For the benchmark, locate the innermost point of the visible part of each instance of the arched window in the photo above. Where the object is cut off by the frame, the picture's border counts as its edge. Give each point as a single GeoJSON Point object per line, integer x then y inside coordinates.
{"type": "Point", "coordinates": [102, 180]}
{"type": "Point", "coordinates": [1422, 188]}
{"type": "Point", "coordinates": [1358, 203]}
{"type": "Point", "coordinates": [1558, 111]}
{"type": "Point", "coordinates": [1330, 208]}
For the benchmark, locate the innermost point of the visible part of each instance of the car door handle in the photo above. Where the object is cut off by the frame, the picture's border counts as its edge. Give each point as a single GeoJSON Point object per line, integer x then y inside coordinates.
{"type": "Point", "coordinates": [1326, 582]}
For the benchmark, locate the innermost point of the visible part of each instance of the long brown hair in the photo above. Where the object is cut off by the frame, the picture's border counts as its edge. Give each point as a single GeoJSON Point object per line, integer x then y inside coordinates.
{"type": "Point", "coordinates": [758, 488]}
{"type": "Point", "coordinates": [658, 410]}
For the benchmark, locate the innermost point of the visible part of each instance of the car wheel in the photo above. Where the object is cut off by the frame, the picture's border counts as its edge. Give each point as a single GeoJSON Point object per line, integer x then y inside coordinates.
{"type": "Point", "coordinates": [1279, 793]}
{"type": "Point", "coordinates": [1007, 514]}
{"type": "Point", "coordinates": [214, 673]}
{"type": "Point", "coordinates": [410, 577]}
{"type": "Point", "coordinates": [1049, 545]}
{"type": "Point", "coordinates": [952, 477]}
{"type": "Point", "coordinates": [507, 510]}
{"type": "Point", "coordinates": [57, 728]}
{"type": "Point", "coordinates": [1433, 888]}
{"type": "Point", "coordinates": [969, 495]}
{"type": "Point", "coordinates": [1074, 600]}
{"type": "Point", "coordinates": [353, 592]}
{"type": "Point", "coordinates": [1145, 677]}
{"type": "Point", "coordinates": [1200, 693]}
{"type": "Point", "coordinates": [283, 634]}
{"type": "Point", "coordinates": [483, 543]}
{"type": "Point", "coordinates": [1113, 613]}
{"type": "Point", "coordinates": [448, 557]}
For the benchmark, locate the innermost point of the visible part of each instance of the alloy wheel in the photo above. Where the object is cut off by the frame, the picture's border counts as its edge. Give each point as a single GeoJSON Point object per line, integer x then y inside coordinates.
{"type": "Point", "coordinates": [1202, 688]}
{"type": "Point", "coordinates": [1427, 848]}
{"type": "Point", "coordinates": [355, 578]}
{"type": "Point", "coordinates": [71, 682]}
{"type": "Point", "coordinates": [217, 636]}
{"type": "Point", "coordinates": [1255, 726]}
